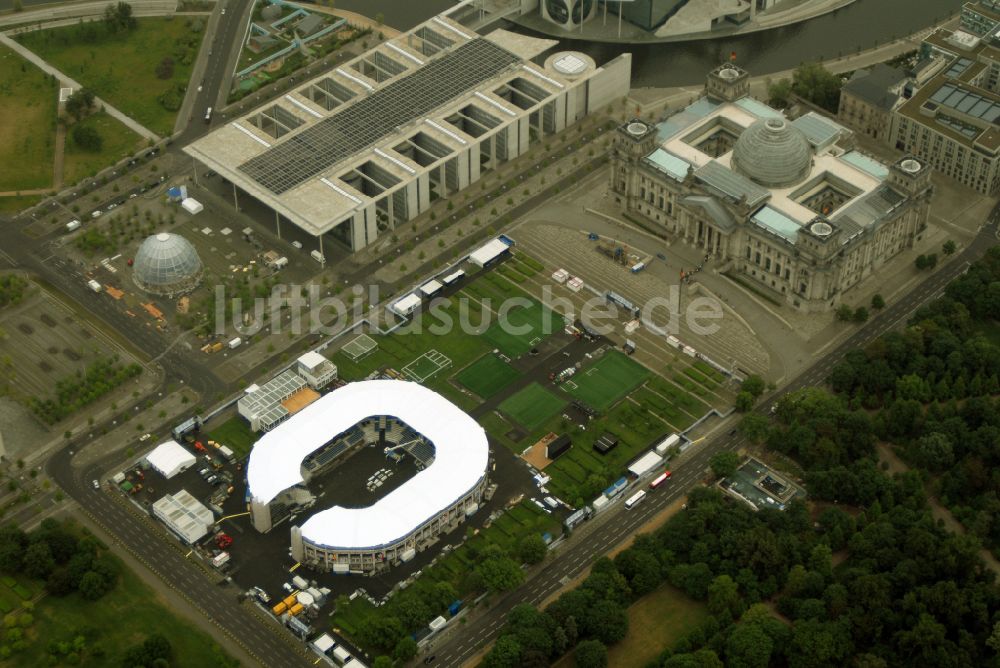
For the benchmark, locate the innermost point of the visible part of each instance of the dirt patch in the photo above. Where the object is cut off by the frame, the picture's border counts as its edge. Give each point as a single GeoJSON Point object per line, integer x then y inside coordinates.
{"type": "Point", "coordinates": [72, 354]}
{"type": "Point", "coordinates": [47, 319]}
{"type": "Point", "coordinates": [85, 333]}
{"type": "Point", "coordinates": [52, 350]}
{"type": "Point", "coordinates": [45, 366]}
{"type": "Point", "coordinates": [26, 329]}
{"type": "Point", "coordinates": [536, 453]}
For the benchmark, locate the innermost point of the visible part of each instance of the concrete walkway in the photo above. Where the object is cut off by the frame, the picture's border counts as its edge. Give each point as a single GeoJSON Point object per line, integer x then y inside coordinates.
{"type": "Point", "coordinates": [67, 82]}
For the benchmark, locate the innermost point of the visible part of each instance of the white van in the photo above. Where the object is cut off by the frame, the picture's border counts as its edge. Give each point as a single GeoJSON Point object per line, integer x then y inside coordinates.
{"type": "Point", "coordinates": [72, 225]}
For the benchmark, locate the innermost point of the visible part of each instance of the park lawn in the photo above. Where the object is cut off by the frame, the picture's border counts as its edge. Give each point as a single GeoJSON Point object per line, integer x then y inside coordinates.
{"type": "Point", "coordinates": [28, 101]}
{"type": "Point", "coordinates": [13, 204]}
{"type": "Point", "coordinates": [235, 433]}
{"type": "Point", "coordinates": [655, 622]}
{"type": "Point", "coordinates": [532, 406]}
{"type": "Point", "coordinates": [607, 380]}
{"type": "Point", "coordinates": [487, 375]}
{"type": "Point", "coordinates": [121, 68]}
{"type": "Point", "coordinates": [123, 617]}
{"type": "Point", "coordinates": [117, 142]}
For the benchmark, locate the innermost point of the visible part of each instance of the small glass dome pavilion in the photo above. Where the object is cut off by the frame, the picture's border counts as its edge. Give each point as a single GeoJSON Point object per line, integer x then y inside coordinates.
{"type": "Point", "coordinates": [167, 265]}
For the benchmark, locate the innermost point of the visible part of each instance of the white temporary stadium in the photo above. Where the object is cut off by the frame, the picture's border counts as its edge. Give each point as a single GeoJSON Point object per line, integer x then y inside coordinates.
{"type": "Point", "coordinates": [451, 446]}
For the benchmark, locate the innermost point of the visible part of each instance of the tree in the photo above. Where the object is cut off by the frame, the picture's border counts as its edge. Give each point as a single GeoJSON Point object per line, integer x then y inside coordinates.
{"type": "Point", "coordinates": [500, 572]}
{"type": "Point", "coordinates": [165, 68]}
{"type": "Point", "coordinates": [744, 402]}
{"type": "Point", "coordinates": [724, 463]}
{"type": "Point", "coordinates": [755, 427]}
{"type": "Point", "coordinates": [591, 654]}
{"type": "Point", "coordinates": [87, 138]}
{"type": "Point", "coordinates": [753, 384]}
{"type": "Point", "coordinates": [844, 313]}
{"type": "Point", "coordinates": [926, 261]}
{"type": "Point", "coordinates": [860, 314]}
{"type": "Point", "coordinates": [92, 586]}
{"type": "Point", "coordinates": [607, 621]}
{"type": "Point", "coordinates": [748, 647]}
{"type": "Point", "coordinates": [382, 661]}
{"type": "Point", "coordinates": [506, 653]}
{"type": "Point", "coordinates": [80, 103]}
{"type": "Point", "coordinates": [949, 247]}
{"type": "Point", "coordinates": [778, 93]}
{"type": "Point", "coordinates": [933, 452]}
{"type": "Point", "coordinates": [724, 599]}
{"type": "Point", "coordinates": [18, 5]}
{"type": "Point", "coordinates": [816, 84]}
{"type": "Point", "coordinates": [118, 17]}
{"type": "Point", "coordinates": [878, 302]}
{"type": "Point", "coordinates": [38, 560]}
{"type": "Point", "coordinates": [532, 549]}
{"type": "Point", "coordinates": [380, 631]}
{"type": "Point", "coordinates": [405, 649]}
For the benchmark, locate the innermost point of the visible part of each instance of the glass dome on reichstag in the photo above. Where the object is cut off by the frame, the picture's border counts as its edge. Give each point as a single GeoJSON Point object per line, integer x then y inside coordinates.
{"type": "Point", "coordinates": [773, 153]}
{"type": "Point", "coordinates": [166, 264]}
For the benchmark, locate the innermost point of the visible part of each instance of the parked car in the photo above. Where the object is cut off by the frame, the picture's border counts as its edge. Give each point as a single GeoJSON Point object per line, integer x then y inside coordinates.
{"type": "Point", "coordinates": [96, 484]}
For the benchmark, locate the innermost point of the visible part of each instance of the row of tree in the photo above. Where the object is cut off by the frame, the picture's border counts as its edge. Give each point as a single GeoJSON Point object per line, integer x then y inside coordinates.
{"type": "Point", "coordinates": [83, 388]}
{"type": "Point", "coordinates": [12, 289]}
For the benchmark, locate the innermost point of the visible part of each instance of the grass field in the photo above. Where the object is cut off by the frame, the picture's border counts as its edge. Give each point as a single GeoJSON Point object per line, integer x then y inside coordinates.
{"type": "Point", "coordinates": [117, 142]}
{"type": "Point", "coordinates": [655, 622]}
{"type": "Point", "coordinates": [532, 406]}
{"type": "Point", "coordinates": [487, 375]}
{"type": "Point", "coordinates": [522, 327]}
{"type": "Point", "coordinates": [14, 204]}
{"type": "Point", "coordinates": [608, 380]}
{"type": "Point", "coordinates": [28, 100]}
{"type": "Point", "coordinates": [125, 616]}
{"type": "Point", "coordinates": [235, 433]}
{"type": "Point", "coordinates": [122, 68]}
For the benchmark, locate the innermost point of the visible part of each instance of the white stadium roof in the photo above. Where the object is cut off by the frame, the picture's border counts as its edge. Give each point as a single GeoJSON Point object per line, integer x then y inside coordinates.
{"type": "Point", "coordinates": [460, 460]}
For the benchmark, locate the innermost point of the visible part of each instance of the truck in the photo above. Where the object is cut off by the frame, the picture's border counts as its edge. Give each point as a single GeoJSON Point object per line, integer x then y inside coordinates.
{"type": "Point", "coordinates": [638, 266]}
{"type": "Point", "coordinates": [94, 285]}
{"type": "Point", "coordinates": [319, 257]}
{"type": "Point", "coordinates": [220, 559]}
{"type": "Point", "coordinates": [235, 343]}
{"type": "Point", "coordinates": [72, 225]}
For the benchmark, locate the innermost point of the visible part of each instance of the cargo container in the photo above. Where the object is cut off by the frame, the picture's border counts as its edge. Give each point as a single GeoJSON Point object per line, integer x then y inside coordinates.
{"type": "Point", "coordinates": [280, 608]}
{"type": "Point", "coordinates": [290, 600]}
{"type": "Point", "coordinates": [220, 559]}
{"type": "Point", "coordinates": [617, 488]}
{"type": "Point", "coordinates": [316, 255]}
{"type": "Point", "coordinates": [300, 582]}
{"type": "Point", "coordinates": [295, 609]}
{"type": "Point", "coordinates": [235, 343]}
{"type": "Point", "coordinates": [558, 447]}
{"type": "Point", "coordinates": [94, 285]}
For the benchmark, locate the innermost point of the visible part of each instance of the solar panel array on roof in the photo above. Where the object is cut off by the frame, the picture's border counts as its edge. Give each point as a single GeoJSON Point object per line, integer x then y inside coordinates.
{"type": "Point", "coordinates": [371, 118]}
{"type": "Point", "coordinates": [967, 102]}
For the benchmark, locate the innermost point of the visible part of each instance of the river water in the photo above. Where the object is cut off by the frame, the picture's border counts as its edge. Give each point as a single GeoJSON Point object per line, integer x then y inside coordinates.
{"type": "Point", "coordinates": [861, 25]}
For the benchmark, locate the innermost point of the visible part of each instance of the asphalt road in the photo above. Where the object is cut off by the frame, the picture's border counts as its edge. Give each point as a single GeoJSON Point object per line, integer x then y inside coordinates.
{"type": "Point", "coordinates": [575, 559]}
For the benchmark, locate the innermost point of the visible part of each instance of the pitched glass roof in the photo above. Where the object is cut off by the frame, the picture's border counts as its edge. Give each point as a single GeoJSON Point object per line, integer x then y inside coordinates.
{"type": "Point", "coordinates": [774, 221]}
{"type": "Point", "coordinates": [866, 164]}
{"type": "Point", "coordinates": [685, 118]}
{"type": "Point", "coordinates": [758, 109]}
{"type": "Point", "coordinates": [667, 162]}
{"type": "Point", "coordinates": [362, 124]}
{"type": "Point", "coordinates": [819, 131]}
{"type": "Point", "coordinates": [730, 183]}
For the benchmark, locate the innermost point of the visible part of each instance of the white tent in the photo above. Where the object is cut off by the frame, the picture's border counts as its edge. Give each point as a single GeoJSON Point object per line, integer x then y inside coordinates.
{"type": "Point", "coordinates": [185, 515]}
{"type": "Point", "coordinates": [192, 205]}
{"type": "Point", "coordinates": [406, 305]}
{"type": "Point", "coordinates": [170, 458]}
{"type": "Point", "coordinates": [644, 464]}
{"type": "Point", "coordinates": [488, 252]}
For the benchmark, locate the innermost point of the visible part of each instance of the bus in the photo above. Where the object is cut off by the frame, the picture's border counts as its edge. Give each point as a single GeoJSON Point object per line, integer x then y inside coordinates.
{"type": "Point", "coordinates": [635, 499]}
{"type": "Point", "coordinates": [660, 479]}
